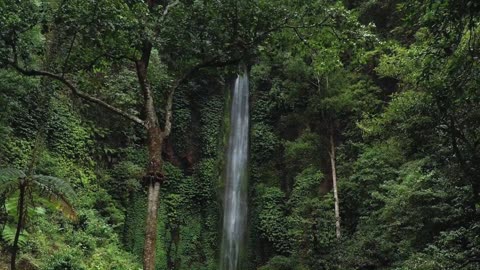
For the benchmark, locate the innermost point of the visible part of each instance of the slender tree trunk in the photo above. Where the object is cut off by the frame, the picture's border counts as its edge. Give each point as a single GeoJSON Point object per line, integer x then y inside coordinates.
{"type": "Point", "coordinates": [21, 205]}
{"type": "Point", "coordinates": [22, 208]}
{"type": "Point", "coordinates": [335, 190]}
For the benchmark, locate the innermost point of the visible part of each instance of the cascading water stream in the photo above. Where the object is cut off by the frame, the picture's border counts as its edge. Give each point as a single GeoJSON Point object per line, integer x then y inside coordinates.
{"type": "Point", "coordinates": [235, 200]}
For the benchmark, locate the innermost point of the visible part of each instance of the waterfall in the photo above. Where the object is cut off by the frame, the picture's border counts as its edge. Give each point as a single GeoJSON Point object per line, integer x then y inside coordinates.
{"type": "Point", "coordinates": [235, 200]}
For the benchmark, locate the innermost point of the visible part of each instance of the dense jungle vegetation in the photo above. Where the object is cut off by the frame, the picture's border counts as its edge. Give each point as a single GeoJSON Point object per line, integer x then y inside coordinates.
{"type": "Point", "coordinates": [114, 117]}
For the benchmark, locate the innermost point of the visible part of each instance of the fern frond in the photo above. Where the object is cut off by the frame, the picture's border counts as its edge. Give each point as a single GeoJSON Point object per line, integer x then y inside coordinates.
{"type": "Point", "coordinates": [8, 234]}
{"type": "Point", "coordinates": [58, 191]}
{"type": "Point", "coordinates": [9, 179]}
{"type": "Point", "coordinates": [11, 206]}
{"type": "Point", "coordinates": [11, 173]}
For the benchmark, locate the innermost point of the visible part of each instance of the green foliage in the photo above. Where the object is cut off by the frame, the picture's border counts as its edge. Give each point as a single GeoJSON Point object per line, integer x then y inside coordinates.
{"type": "Point", "coordinates": [211, 119]}
{"type": "Point", "coordinates": [300, 153]}
{"type": "Point", "coordinates": [271, 218]}
{"type": "Point", "coordinates": [65, 261]}
{"type": "Point", "coordinates": [282, 263]}
{"type": "Point", "coordinates": [8, 235]}
{"type": "Point", "coordinates": [54, 164]}
{"type": "Point", "coordinates": [311, 219]}
{"type": "Point", "coordinates": [67, 136]}
{"type": "Point", "coordinates": [376, 165]}
{"type": "Point", "coordinates": [124, 180]}
{"type": "Point", "coordinates": [91, 245]}
{"type": "Point", "coordinates": [264, 143]}
{"type": "Point", "coordinates": [181, 134]}
{"type": "Point", "coordinates": [394, 84]}
{"type": "Point", "coordinates": [407, 113]}
{"type": "Point", "coordinates": [205, 189]}
{"type": "Point", "coordinates": [56, 190]}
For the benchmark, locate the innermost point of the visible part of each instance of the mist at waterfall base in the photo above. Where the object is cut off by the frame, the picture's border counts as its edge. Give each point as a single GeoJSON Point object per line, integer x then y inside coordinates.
{"type": "Point", "coordinates": [235, 199]}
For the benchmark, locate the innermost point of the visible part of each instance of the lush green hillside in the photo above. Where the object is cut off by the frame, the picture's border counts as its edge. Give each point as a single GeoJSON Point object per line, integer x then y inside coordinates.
{"type": "Point", "coordinates": [114, 119]}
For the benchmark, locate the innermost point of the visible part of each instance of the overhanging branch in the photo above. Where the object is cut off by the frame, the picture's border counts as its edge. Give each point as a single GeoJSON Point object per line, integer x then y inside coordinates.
{"type": "Point", "coordinates": [75, 91]}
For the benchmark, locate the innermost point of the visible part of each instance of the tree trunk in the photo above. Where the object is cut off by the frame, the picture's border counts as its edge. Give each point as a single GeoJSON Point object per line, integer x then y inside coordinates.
{"type": "Point", "coordinates": [154, 180]}
{"type": "Point", "coordinates": [335, 190]}
{"type": "Point", "coordinates": [154, 177]}
{"type": "Point", "coordinates": [21, 205]}
{"type": "Point", "coordinates": [151, 226]}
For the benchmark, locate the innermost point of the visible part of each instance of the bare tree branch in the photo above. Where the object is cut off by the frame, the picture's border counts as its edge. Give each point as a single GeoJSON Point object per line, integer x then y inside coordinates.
{"type": "Point", "coordinates": [167, 9]}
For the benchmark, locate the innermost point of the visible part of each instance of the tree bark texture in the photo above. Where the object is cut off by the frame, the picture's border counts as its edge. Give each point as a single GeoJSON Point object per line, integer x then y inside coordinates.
{"type": "Point", "coordinates": [335, 189]}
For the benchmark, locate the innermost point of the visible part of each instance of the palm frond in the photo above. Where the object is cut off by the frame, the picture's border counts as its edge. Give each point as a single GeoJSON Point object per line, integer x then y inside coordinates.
{"type": "Point", "coordinates": [9, 179]}
{"type": "Point", "coordinates": [58, 191]}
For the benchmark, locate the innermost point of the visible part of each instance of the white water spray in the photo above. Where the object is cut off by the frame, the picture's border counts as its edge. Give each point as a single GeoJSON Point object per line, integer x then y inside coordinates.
{"type": "Point", "coordinates": [235, 201]}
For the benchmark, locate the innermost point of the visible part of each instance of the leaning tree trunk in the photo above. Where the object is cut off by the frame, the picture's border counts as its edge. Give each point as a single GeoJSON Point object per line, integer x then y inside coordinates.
{"type": "Point", "coordinates": [335, 190]}
{"type": "Point", "coordinates": [21, 205]}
